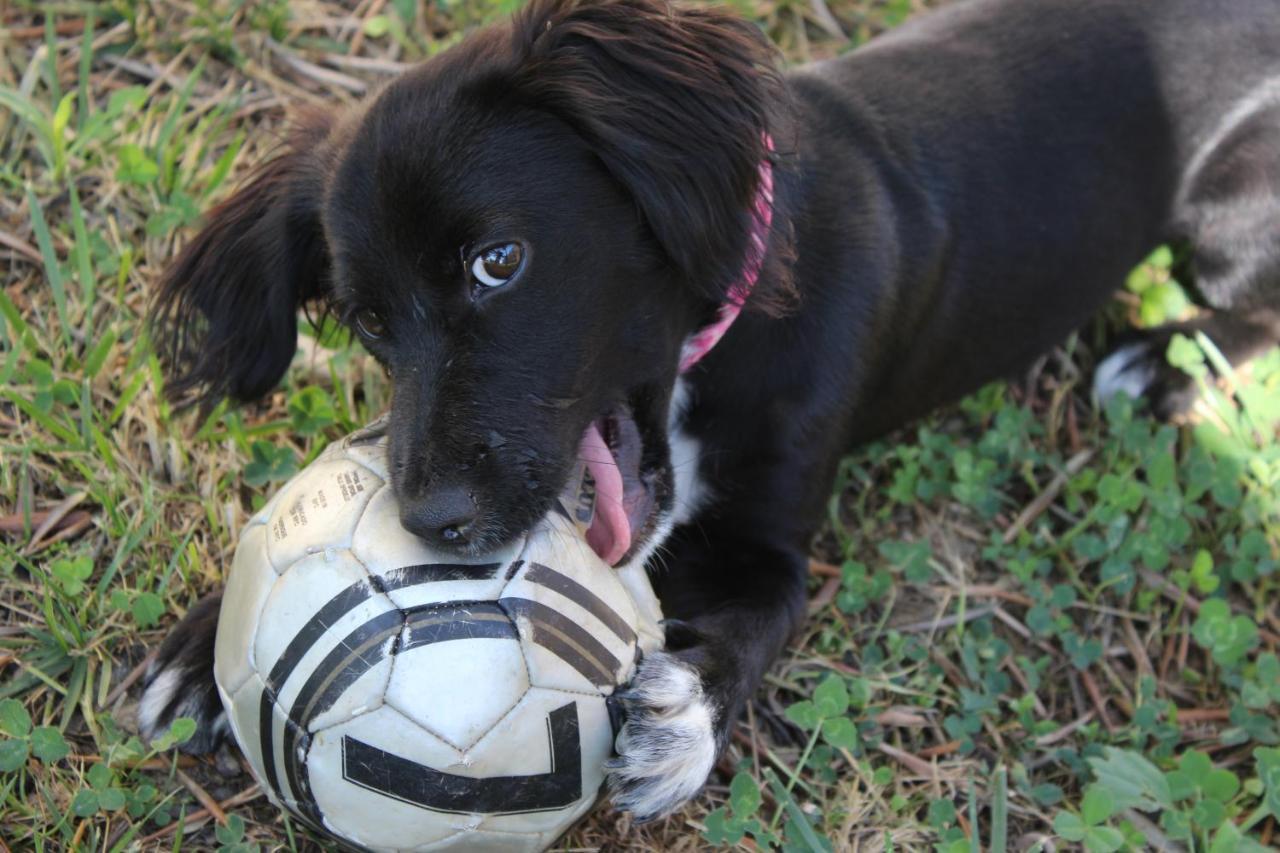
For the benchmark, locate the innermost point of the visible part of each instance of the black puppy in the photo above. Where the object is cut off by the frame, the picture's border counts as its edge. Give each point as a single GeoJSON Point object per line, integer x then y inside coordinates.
{"type": "Point", "coordinates": [536, 231]}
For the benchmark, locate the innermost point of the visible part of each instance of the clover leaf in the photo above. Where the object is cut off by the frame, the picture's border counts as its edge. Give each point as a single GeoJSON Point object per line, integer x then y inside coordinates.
{"type": "Point", "coordinates": [1228, 637]}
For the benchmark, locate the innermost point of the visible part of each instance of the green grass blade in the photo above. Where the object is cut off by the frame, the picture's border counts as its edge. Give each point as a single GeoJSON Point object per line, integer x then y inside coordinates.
{"type": "Point", "coordinates": [13, 331]}
{"type": "Point", "coordinates": [810, 838]}
{"type": "Point", "coordinates": [38, 122]}
{"type": "Point", "coordinates": [1000, 812]}
{"type": "Point", "coordinates": [975, 837]}
{"type": "Point", "coordinates": [223, 166]}
{"type": "Point", "coordinates": [98, 355]}
{"type": "Point", "coordinates": [86, 414]}
{"type": "Point", "coordinates": [47, 421]}
{"type": "Point", "coordinates": [10, 366]}
{"type": "Point", "coordinates": [53, 273]}
{"type": "Point", "coordinates": [84, 262]}
{"type": "Point", "coordinates": [135, 538]}
{"type": "Point", "coordinates": [61, 120]}
{"type": "Point", "coordinates": [51, 56]}
{"type": "Point", "coordinates": [105, 452]}
{"type": "Point", "coordinates": [75, 686]}
{"type": "Point", "coordinates": [134, 387]}
{"type": "Point", "coordinates": [86, 67]}
{"type": "Point", "coordinates": [177, 111]}
{"type": "Point", "coordinates": [27, 110]}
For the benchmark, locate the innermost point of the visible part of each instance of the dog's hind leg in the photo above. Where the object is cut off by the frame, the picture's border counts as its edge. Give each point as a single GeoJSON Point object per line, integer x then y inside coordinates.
{"type": "Point", "coordinates": [1140, 367]}
{"type": "Point", "coordinates": [1230, 215]}
{"type": "Point", "coordinates": [179, 682]}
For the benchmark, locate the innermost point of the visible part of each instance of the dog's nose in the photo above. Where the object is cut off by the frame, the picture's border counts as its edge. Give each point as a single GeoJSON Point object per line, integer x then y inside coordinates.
{"type": "Point", "coordinates": [442, 516]}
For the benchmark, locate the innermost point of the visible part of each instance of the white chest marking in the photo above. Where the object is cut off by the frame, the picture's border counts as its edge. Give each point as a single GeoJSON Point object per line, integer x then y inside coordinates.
{"type": "Point", "coordinates": [692, 492]}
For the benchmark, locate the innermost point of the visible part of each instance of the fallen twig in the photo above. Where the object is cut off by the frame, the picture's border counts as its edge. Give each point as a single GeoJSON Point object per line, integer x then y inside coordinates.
{"type": "Point", "coordinates": [71, 27]}
{"type": "Point", "coordinates": [916, 765]}
{"type": "Point", "coordinates": [202, 796]}
{"type": "Point", "coordinates": [904, 718]}
{"type": "Point", "coordinates": [1203, 715]}
{"type": "Point", "coordinates": [1060, 734]}
{"type": "Point", "coordinates": [324, 76]}
{"type": "Point", "coordinates": [823, 18]}
{"type": "Point", "coordinates": [945, 622]}
{"type": "Point", "coordinates": [1095, 696]}
{"type": "Point", "coordinates": [54, 517]}
{"type": "Point", "coordinates": [1046, 498]}
{"type": "Point", "coordinates": [145, 764]}
{"type": "Point", "coordinates": [992, 591]}
{"type": "Point", "coordinates": [824, 596]}
{"type": "Point", "coordinates": [941, 749]}
{"type": "Point", "coordinates": [20, 246]}
{"type": "Point", "coordinates": [826, 570]}
{"type": "Point", "coordinates": [1014, 625]}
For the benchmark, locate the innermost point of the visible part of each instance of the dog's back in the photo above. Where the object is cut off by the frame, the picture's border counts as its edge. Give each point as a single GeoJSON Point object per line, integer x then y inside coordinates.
{"type": "Point", "coordinates": [1030, 151]}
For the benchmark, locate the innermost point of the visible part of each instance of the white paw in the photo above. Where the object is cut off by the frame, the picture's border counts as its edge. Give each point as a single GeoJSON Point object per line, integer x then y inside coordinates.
{"type": "Point", "coordinates": [1128, 369]}
{"type": "Point", "coordinates": [667, 747]}
{"type": "Point", "coordinates": [177, 691]}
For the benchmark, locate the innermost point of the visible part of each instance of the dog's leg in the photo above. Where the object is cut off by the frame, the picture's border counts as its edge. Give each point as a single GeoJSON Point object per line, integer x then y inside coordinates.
{"type": "Point", "coordinates": [1141, 369]}
{"type": "Point", "coordinates": [1230, 214]}
{"type": "Point", "coordinates": [179, 682]}
{"type": "Point", "coordinates": [732, 605]}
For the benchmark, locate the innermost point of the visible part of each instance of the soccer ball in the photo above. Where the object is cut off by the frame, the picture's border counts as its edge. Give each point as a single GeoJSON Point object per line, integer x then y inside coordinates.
{"type": "Point", "coordinates": [401, 699]}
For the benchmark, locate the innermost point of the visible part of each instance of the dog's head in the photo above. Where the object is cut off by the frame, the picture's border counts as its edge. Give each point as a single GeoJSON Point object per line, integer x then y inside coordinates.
{"type": "Point", "coordinates": [524, 230]}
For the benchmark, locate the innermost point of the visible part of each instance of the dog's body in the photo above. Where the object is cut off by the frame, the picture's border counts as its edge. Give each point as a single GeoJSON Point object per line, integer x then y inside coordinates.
{"type": "Point", "coordinates": [950, 201]}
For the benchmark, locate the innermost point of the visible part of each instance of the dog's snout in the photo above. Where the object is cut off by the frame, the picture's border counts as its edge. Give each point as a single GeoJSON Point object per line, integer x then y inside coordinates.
{"type": "Point", "coordinates": [442, 515]}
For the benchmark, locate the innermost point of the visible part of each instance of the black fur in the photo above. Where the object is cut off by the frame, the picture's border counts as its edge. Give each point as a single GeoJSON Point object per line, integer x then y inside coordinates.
{"type": "Point", "coordinates": [186, 656]}
{"type": "Point", "coordinates": [226, 310]}
{"type": "Point", "coordinates": [952, 200]}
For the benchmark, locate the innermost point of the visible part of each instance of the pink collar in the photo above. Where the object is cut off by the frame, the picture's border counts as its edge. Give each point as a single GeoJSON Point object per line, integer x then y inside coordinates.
{"type": "Point", "coordinates": [762, 219]}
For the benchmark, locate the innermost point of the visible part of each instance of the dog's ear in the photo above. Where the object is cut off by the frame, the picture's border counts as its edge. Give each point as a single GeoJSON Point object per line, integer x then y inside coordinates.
{"type": "Point", "coordinates": [677, 103]}
{"type": "Point", "coordinates": [224, 317]}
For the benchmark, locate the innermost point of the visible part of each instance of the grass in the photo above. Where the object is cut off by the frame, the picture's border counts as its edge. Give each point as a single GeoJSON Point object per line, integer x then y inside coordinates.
{"type": "Point", "coordinates": [1033, 622]}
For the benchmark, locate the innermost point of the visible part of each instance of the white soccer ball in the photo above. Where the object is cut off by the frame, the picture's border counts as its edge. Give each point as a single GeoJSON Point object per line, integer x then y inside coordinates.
{"type": "Point", "coordinates": [402, 699]}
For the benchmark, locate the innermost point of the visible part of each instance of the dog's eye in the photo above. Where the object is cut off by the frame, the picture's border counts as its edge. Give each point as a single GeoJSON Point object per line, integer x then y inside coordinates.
{"type": "Point", "coordinates": [369, 324]}
{"type": "Point", "coordinates": [497, 265]}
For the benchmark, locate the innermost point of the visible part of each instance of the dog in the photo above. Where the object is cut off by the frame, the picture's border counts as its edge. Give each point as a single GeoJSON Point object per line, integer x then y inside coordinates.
{"type": "Point", "coordinates": [617, 221]}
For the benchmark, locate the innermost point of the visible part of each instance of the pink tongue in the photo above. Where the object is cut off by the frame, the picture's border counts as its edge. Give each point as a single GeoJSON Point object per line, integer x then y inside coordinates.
{"type": "Point", "coordinates": [610, 531]}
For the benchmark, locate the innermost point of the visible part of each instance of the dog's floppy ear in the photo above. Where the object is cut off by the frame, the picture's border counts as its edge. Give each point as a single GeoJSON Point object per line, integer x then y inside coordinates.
{"type": "Point", "coordinates": [676, 102]}
{"type": "Point", "coordinates": [224, 317]}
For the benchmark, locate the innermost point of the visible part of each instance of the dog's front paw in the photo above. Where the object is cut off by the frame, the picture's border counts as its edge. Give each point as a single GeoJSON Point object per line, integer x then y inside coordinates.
{"type": "Point", "coordinates": [179, 682]}
{"type": "Point", "coordinates": [668, 744]}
